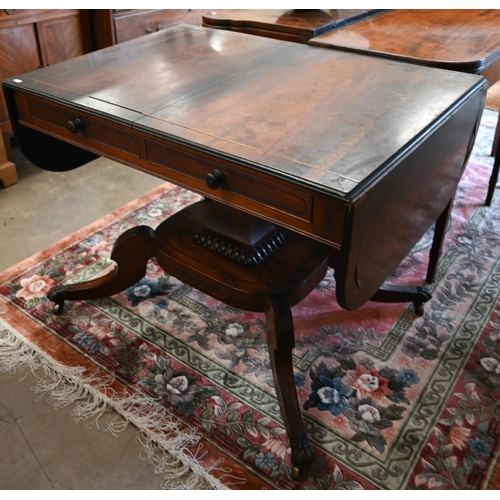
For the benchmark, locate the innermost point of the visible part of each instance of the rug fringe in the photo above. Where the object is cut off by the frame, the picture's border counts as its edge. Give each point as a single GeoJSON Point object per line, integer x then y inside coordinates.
{"type": "Point", "coordinates": [164, 442]}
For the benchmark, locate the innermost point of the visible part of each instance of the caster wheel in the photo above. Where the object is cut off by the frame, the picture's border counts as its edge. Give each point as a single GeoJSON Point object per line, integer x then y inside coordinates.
{"type": "Point", "coordinates": [58, 308]}
{"type": "Point", "coordinates": [295, 473]}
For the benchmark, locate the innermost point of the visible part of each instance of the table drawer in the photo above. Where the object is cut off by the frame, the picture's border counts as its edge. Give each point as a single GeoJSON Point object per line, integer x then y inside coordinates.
{"type": "Point", "coordinates": [253, 191]}
{"type": "Point", "coordinates": [141, 23]}
{"type": "Point", "coordinates": [77, 127]}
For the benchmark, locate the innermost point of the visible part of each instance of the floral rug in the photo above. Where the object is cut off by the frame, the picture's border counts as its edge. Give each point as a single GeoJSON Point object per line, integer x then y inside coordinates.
{"type": "Point", "coordinates": [390, 400]}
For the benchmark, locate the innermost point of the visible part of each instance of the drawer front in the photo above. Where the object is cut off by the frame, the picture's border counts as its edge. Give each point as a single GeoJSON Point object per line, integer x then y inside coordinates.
{"type": "Point", "coordinates": [296, 207]}
{"type": "Point", "coordinates": [89, 131]}
{"type": "Point", "coordinates": [138, 24]}
{"type": "Point", "coordinates": [255, 191]}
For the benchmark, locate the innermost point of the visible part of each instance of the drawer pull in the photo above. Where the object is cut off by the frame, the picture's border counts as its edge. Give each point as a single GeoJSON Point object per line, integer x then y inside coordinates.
{"type": "Point", "coordinates": [75, 126]}
{"type": "Point", "coordinates": [215, 179]}
{"type": "Point", "coordinates": [149, 30]}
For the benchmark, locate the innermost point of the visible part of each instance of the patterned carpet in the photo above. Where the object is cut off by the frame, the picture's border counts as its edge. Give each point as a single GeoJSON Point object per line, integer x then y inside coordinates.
{"type": "Point", "coordinates": [390, 400]}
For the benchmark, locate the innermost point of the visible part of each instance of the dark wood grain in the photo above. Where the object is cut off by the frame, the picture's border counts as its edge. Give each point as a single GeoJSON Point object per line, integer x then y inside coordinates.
{"type": "Point", "coordinates": [461, 39]}
{"type": "Point", "coordinates": [294, 267]}
{"type": "Point", "coordinates": [15, 58]}
{"type": "Point", "coordinates": [229, 81]}
{"type": "Point", "coordinates": [297, 25]}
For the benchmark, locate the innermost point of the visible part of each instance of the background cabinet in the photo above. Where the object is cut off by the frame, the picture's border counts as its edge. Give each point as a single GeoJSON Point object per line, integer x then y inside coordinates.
{"type": "Point", "coordinates": [31, 39]}
{"type": "Point", "coordinates": [113, 26]}
{"type": "Point", "coordinates": [34, 38]}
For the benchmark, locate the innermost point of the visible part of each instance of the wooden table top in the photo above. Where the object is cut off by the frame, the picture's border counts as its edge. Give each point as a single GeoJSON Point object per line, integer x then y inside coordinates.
{"type": "Point", "coordinates": [323, 118]}
{"type": "Point", "coordinates": [298, 24]}
{"type": "Point", "coordinates": [466, 40]}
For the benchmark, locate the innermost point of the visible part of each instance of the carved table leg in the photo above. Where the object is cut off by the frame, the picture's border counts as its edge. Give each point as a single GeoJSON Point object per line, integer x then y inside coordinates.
{"type": "Point", "coordinates": [131, 252]}
{"type": "Point", "coordinates": [281, 342]}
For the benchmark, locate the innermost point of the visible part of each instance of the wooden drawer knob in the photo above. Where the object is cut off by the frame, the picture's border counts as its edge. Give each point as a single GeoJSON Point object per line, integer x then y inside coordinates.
{"type": "Point", "coordinates": [215, 179]}
{"type": "Point", "coordinates": [75, 126]}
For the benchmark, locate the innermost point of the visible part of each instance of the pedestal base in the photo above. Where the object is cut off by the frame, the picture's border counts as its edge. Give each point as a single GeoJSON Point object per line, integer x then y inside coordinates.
{"type": "Point", "coordinates": [284, 277]}
{"type": "Point", "coordinates": [281, 279]}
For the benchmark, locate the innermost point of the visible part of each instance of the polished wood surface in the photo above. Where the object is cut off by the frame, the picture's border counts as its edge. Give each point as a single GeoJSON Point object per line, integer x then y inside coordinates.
{"type": "Point", "coordinates": [466, 40]}
{"type": "Point", "coordinates": [306, 158]}
{"type": "Point", "coordinates": [461, 39]}
{"type": "Point", "coordinates": [255, 108]}
{"type": "Point", "coordinates": [297, 25]}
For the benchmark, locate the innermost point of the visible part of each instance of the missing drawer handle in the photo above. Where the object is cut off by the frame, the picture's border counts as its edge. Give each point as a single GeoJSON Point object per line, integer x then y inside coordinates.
{"type": "Point", "coordinates": [75, 126]}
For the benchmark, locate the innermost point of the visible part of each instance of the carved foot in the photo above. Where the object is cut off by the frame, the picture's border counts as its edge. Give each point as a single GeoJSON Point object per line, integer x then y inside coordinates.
{"type": "Point", "coordinates": [302, 454]}
{"type": "Point", "coordinates": [56, 294]}
{"type": "Point", "coordinates": [131, 252]}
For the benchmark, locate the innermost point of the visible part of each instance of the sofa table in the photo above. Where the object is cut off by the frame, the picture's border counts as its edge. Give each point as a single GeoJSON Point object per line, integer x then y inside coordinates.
{"type": "Point", "coordinates": [306, 158]}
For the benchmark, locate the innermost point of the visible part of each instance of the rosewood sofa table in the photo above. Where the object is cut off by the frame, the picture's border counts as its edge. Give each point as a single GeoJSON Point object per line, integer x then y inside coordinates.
{"type": "Point", "coordinates": [306, 158]}
{"type": "Point", "coordinates": [465, 40]}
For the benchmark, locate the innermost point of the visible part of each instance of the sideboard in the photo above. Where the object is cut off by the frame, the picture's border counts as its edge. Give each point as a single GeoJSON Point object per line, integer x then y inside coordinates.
{"type": "Point", "coordinates": [31, 39]}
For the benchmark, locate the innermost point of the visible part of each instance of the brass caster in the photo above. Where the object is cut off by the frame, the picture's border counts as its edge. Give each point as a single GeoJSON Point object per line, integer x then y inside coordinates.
{"type": "Point", "coordinates": [423, 296]}
{"type": "Point", "coordinates": [58, 308]}
{"type": "Point", "coordinates": [419, 308]}
{"type": "Point", "coordinates": [295, 472]}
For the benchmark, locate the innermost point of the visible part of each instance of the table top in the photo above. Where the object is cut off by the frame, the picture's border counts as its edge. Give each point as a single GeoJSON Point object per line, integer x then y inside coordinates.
{"type": "Point", "coordinates": [327, 119]}
{"type": "Point", "coordinates": [465, 40]}
{"type": "Point", "coordinates": [296, 24]}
